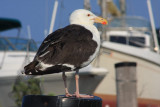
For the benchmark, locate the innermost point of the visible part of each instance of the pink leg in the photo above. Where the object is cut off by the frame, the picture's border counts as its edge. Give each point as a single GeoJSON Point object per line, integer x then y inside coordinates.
{"type": "Point", "coordinates": [77, 87]}
{"type": "Point", "coordinates": [65, 84]}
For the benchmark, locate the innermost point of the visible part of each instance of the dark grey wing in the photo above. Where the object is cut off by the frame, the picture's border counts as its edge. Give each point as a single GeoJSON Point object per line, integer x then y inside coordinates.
{"type": "Point", "coordinates": [49, 40]}
{"type": "Point", "coordinates": [73, 46]}
{"type": "Point", "coordinates": [64, 50]}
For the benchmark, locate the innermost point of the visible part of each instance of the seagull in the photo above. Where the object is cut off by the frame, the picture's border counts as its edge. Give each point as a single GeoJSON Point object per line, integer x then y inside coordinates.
{"type": "Point", "coordinates": [69, 49]}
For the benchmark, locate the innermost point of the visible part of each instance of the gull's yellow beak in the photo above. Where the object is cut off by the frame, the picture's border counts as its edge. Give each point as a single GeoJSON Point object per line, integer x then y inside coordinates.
{"type": "Point", "coordinates": [100, 20]}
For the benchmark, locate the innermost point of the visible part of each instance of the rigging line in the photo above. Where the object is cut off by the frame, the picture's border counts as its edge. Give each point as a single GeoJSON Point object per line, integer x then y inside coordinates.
{"type": "Point", "coordinates": [46, 18]}
{"type": "Point", "coordinates": [4, 56]}
{"type": "Point", "coordinates": [157, 15]}
{"type": "Point", "coordinates": [20, 72]}
{"type": "Point", "coordinates": [46, 13]}
{"type": "Point", "coordinates": [54, 13]}
{"type": "Point", "coordinates": [61, 13]}
{"type": "Point", "coordinates": [156, 48]}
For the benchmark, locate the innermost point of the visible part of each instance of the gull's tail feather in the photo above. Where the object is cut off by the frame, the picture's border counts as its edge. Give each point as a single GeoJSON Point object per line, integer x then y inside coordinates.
{"type": "Point", "coordinates": [30, 68]}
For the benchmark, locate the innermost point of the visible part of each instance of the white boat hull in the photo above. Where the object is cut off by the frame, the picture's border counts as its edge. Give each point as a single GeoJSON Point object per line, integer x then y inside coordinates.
{"type": "Point", "coordinates": [51, 84]}
{"type": "Point", "coordinates": [148, 74]}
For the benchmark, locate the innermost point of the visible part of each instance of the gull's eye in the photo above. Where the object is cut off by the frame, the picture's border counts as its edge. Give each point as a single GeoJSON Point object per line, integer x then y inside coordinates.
{"type": "Point", "coordinates": [88, 15]}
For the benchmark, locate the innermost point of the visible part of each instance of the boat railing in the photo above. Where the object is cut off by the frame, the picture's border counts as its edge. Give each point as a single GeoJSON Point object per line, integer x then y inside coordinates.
{"type": "Point", "coordinates": [136, 32]}
{"type": "Point", "coordinates": [142, 29]}
{"type": "Point", "coordinates": [10, 44]}
{"type": "Point", "coordinates": [129, 23]}
{"type": "Point", "coordinates": [17, 44]}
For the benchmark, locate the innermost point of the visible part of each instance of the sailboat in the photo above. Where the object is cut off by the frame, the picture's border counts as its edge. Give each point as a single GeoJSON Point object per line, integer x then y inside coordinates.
{"type": "Point", "coordinates": [130, 39]}
{"type": "Point", "coordinates": [130, 44]}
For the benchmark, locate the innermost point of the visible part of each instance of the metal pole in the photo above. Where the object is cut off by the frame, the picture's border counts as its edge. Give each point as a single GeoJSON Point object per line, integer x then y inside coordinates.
{"type": "Point", "coordinates": [87, 4]}
{"type": "Point", "coordinates": [153, 26]}
{"type": "Point", "coordinates": [103, 5]}
{"type": "Point", "coordinates": [123, 7]}
{"type": "Point", "coordinates": [126, 84]}
{"type": "Point", "coordinates": [53, 16]}
{"type": "Point", "coordinates": [29, 32]}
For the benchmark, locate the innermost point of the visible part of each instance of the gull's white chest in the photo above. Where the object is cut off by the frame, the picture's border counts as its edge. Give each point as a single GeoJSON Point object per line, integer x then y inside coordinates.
{"type": "Point", "coordinates": [96, 38]}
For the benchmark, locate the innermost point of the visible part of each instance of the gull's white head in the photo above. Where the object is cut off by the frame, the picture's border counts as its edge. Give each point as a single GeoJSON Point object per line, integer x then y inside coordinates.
{"type": "Point", "coordinates": [82, 16]}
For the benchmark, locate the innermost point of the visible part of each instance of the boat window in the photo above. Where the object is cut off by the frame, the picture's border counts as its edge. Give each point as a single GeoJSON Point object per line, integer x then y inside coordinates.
{"type": "Point", "coordinates": [137, 41]}
{"type": "Point", "coordinates": [118, 39]}
{"type": "Point", "coordinates": [133, 41]}
{"type": "Point", "coordinates": [17, 44]}
{"type": "Point", "coordinates": [4, 45]}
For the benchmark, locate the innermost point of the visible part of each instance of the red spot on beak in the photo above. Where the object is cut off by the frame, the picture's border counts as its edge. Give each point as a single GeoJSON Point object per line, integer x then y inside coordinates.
{"type": "Point", "coordinates": [104, 23]}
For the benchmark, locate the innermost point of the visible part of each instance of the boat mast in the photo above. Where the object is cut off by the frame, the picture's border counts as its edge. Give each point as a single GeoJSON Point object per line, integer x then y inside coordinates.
{"type": "Point", "coordinates": [156, 48]}
{"type": "Point", "coordinates": [123, 12]}
{"type": "Point", "coordinates": [29, 31]}
{"type": "Point", "coordinates": [53, 16]}
{"type": "Point", "coordinates": [87, 4]}
{"type": "Point", "coordinates": [103, 5]}
{"type": "Point", "coordinates": [122, 7]}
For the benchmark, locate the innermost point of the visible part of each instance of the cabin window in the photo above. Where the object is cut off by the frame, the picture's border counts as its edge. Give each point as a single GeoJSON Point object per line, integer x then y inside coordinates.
{"type": "Point", "coordinates": [118, 39]}
{"type": "Point", "coordinates": [137, 41]}
{"type": "Point", "coordinates": [133, 41]}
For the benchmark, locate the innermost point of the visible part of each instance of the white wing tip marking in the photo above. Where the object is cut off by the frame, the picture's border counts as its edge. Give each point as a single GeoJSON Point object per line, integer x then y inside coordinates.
{"type": "Point", "coordinates": [69, 65]}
